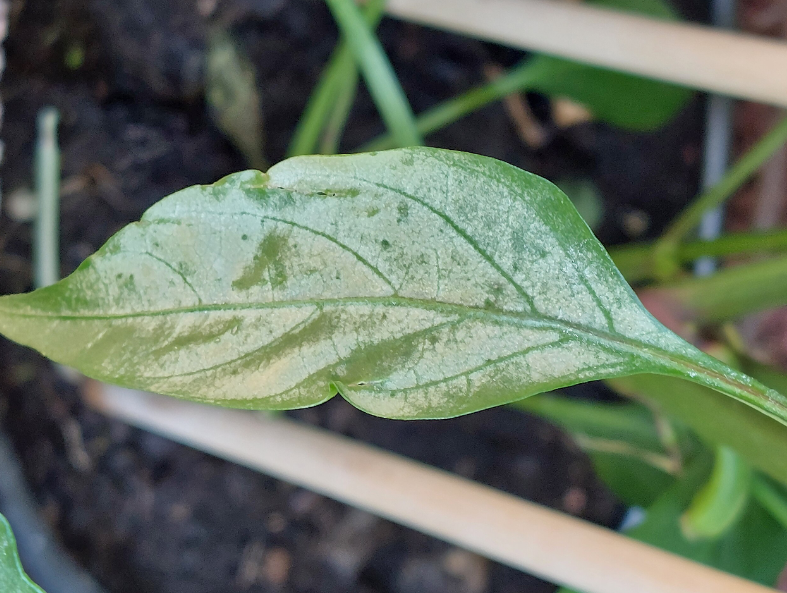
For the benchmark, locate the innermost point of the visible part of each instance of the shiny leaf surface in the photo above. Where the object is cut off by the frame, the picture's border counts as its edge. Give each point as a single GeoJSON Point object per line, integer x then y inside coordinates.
{"type": "Point", "coordinates": [418, 283]}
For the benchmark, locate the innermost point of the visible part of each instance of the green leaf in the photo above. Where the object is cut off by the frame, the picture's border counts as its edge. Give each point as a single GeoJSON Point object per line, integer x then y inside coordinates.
{"type": "Point", "coordinates": [418, 283]}
{"type": "Point", "coordinates": [728, 293]}
{"type": "Point", "coordinates": [658, 9]}
{"type": "Point", "coordinates": [12, 576]}
{"type": "Point", "coordinates": [384, 87]}
{"type": "Point", "coordinates": [626, 101]}
{"type": "Point", "coordinates": [630, 102]}
{"type": "Point", "coordinates": [332, 98]}
{"type": "Point", "coordinates": [632, 480]}
{"type": "Point", "coordinates": [721, 501]}
{"type": "Point", "coordinates": [754, 548]}
{"type": "Point", "coordinates": [716, 419]}
{"type": "Point", "coordinates": [771, 498]}
{"type": "Point", "coordinates": [635, 261]}
{"type": "Point", "coordinates": [622, 441]}
{"type": "Point", "coordinates": [232, 95]}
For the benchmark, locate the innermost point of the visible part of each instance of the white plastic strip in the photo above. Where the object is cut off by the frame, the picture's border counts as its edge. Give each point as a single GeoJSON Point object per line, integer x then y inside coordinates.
{"type": "Point", "coordinates": [696, 56]}
{"type": "Point", "coordinates": [499, 526]}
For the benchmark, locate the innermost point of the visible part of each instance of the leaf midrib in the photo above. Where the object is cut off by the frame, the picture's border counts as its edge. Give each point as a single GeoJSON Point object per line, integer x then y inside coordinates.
{"type": "Point", "coordinates": [667, 360]}
{"type": "Point", "coordinates": [528, 320]}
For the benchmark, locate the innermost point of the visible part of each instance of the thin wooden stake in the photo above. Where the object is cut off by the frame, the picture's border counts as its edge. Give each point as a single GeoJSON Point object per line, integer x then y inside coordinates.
{"type": "Point", "coordinates": [499, 526]}
{"type": "Point", "coordinates": [696, 56]}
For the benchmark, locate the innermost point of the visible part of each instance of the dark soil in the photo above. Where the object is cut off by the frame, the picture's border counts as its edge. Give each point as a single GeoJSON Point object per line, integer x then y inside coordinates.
{"type": "Point", "coordinates": [144, 515]}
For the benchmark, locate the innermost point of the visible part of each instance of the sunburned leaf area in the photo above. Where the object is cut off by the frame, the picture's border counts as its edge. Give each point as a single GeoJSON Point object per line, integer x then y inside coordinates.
{"type": "Point", "coordinates": [417, 283]}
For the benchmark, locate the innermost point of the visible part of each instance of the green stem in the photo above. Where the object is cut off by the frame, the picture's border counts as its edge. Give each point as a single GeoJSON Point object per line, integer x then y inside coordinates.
{"type": "Point", "coordinates": [771, 498]}
{"type": "Point", "coordinates": [377, 72]}
{"type": "Point", "coordinates": [340, 73]}
{"type": "Point", "coordinates": [635, 260]}
{"type": "Point", "coordinates": [659, 461]}
{"type": "Point", "coordinates": [46, 254]}
{"type": "Point", "coordinates": [518, 79]}
{"type": "Point", "coordinates": [666, 247]}
{"type": "Point", "coordinates": [337, 119]}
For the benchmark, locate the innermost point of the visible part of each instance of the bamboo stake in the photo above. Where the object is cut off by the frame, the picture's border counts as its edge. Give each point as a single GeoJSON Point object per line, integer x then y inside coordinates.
{"type": "Point", "coordinates": [505, 528]}
{"type": "Point", "coordinates": [744, 66]}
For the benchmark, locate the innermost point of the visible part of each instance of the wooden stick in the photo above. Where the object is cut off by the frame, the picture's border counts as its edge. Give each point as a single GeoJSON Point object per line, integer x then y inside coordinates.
{"type": "Point", "coordinates": [743, 66]}
{"type": "Point", "coordinates": [505, 528]}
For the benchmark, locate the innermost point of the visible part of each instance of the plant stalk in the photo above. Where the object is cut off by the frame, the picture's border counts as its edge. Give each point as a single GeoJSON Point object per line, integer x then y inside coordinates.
{"type": "Point", "coordinates": [771, 499]}
{"type": "Point", "coordinates": [340, 73]}
{"type": "Point", "coordinates": [46, 251]}
{"type": "Point", "coordinates": [665, 260]}
{"type": "Point", "coordinates": [635, 260]}
{"type": "Point", "coordinates": [518, 79]}
{"type": "Point", "coordinates": [377, 72]}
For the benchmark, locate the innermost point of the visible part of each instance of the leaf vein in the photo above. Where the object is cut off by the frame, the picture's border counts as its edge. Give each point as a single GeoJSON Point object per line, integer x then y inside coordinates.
{"type": "Point", "coordinates": [485, 365]}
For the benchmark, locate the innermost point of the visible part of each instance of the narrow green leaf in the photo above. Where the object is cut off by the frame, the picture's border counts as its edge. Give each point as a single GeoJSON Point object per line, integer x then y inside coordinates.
{"type": "Point", "coordinates": [634, 481]}
{"type": "Point", "coordinates": [337, 118]}
{"type": "Point", "coordinates": [657, 9]}
{"type": "Point", "coordinates": [771, 498]}
{"type": "Point", "coordinates": [626, 101]}
{"type": "Point", "coordinates": [338, 79]}
{"type": "Point", "coordinates": [339, 72]}
{"type": "Point", "coordinates": [754, 548]}
{"type": "Point", "coordinates": [621, 439]}
{"type": "Point", "coordinates": [418, 283]}
{"type": "Point", "coordinates": [727, 294]}
{"type": "Point", "coordinates": [377, 72]}
{"type": "Point", "coordinates": [518, 79]}
{"type": "Point", "coordinates": [635, 261]}
{"type": "Point", "coordinates": [716, 419]}
{"type": "Point", "coordinates": [628, 421]}
{"type": "Point", "coordinates": [737, 175]}
{"type": "Point", "coordinates": [12, 576]}
{"type": "Point", "coordinates": [721, 501]}
{"type": "Point", "coordinates": [623, 100]}
{"type": "Point", "coordinates": [234, 100]}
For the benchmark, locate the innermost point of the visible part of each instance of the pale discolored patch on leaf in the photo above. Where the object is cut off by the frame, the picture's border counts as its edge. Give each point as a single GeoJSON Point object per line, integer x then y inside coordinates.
{"type": "Point", "coordinates": [418, 283]}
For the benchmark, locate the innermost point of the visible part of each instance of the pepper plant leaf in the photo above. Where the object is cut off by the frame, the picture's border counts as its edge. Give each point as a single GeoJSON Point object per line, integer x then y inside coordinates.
{"type": "Point", "coordinates": [417, 283]}
{"type": "Point", "coordinates": [12, 576]}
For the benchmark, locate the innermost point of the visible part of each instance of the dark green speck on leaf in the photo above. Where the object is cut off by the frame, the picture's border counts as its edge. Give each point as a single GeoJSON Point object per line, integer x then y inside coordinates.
{"type": "Point", "coordinates": [403, 210]}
